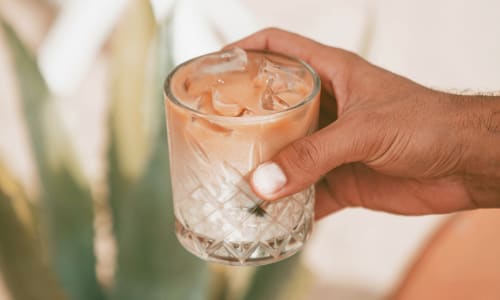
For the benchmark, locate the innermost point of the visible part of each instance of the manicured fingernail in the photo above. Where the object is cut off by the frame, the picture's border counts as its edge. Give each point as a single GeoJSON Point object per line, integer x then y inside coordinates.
{"type": "Point", "coordinates": [268, 178]}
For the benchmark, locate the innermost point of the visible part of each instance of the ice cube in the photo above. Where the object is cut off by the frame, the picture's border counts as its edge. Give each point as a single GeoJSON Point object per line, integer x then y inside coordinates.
{"type": "Point", "coordinates": [204, 104]}
{"type": "Point", "coordinates": [269, 100]}
{"type": "Point", "coordinates": [247, 112]}
{"type": "Point", "coordinates": [206, 72]}
{"type": "Point", "coordinates": [279, 103]}
{"type": "Point", "coordinates": [197, 84]}
{"type": "Point", "coordinates": [233, 60]}
{"type": "Point", "coordinates": [284, 77]}
{"type": "Point", "coordinates": [290, 97]}
{"type": "Point", "coordinates": [203, 125]}
{"type": "Point", "coordinates": [224, 106]}
{"type": "Point", "coordinates": [266, 99]}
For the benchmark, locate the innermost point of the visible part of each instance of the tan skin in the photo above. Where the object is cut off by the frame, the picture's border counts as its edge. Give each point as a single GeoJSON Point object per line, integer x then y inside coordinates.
{"type": "Point", "coordinates": [388, 143]}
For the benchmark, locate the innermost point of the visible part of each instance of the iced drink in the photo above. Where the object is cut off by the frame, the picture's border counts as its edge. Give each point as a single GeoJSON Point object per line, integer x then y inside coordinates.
{"type": "Point", "coordinates": [227, 112]}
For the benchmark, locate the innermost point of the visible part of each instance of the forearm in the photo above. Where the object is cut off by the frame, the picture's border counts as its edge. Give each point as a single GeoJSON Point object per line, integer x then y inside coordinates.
{"type": "Point", "coordinates": [481, 162]}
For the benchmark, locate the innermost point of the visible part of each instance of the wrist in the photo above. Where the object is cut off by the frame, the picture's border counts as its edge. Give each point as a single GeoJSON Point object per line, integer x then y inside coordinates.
{"type": "Point", "coordinates": [479, 131]}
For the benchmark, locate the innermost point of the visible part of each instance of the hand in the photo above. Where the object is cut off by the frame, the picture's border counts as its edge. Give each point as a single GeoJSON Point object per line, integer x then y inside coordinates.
{"type": "Point", "coordinates": [389, 144]}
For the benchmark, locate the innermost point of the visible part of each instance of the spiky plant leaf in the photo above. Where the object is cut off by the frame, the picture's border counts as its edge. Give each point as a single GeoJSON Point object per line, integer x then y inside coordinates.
{"type": "Point", "coordinates": [66, 211]}
{"type": "Point", "coordinates": [151, 264]}
{"type": "Point", "coordinates": [23, 267]}
{"type": "Point", "coordinates": [284, 280]}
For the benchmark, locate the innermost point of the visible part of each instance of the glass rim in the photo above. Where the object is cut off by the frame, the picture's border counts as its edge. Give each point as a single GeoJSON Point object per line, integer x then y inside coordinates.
{"type": "Point", "coordinates": [316, 87]}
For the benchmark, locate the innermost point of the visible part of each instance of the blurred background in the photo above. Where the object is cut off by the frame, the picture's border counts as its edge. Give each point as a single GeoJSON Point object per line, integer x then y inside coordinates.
{"type": "Point", "coordinates": [85, 207]}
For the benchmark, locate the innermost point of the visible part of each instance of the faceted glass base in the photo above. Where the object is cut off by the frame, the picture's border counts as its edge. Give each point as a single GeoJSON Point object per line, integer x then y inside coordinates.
{"type": "Point", "coordinates": [222, 220]}
{"type": "Point", "coordinates": [245, 253]}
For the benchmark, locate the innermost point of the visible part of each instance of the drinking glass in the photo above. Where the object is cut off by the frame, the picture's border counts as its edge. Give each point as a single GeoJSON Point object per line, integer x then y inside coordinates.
{"type": "Point", "coordinates": [218, 216]}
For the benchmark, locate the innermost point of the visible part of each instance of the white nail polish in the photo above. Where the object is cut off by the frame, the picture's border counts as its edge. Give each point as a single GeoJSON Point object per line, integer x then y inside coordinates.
{"type": "Point", "coordinates": [268, 178]}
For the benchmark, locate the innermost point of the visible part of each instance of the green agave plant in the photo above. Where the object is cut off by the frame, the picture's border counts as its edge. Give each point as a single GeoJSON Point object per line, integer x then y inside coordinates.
{"type": "Point", "coordinates": [47, 245]}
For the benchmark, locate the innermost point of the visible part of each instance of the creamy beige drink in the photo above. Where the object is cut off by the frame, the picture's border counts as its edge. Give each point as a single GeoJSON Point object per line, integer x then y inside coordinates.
{"type": "Point", "coordinates": [226, 113]}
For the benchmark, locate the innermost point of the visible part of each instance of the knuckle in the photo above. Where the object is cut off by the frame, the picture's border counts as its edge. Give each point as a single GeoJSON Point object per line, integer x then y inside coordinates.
{"type": "Point", "coordinates": [271, 31]}
{"type": "Point", "coordinates": [365, 129]}
{"type": "Point", "coordinates": [350, 59]}
{"type": "Point", "coordinates": [304, 155]}
{"type": "Point", "coordinates": [351, 56]}
{"type": "Point", "coordinates": [372, 119]}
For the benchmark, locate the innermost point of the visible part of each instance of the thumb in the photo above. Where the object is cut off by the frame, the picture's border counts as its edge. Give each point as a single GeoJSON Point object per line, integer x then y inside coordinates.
{"type": "Point", "coordinates": [305, 161]}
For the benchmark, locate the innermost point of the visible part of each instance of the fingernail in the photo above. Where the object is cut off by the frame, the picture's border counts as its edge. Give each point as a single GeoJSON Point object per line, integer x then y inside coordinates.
{"type": "Point", "coordinates": [268, 178]}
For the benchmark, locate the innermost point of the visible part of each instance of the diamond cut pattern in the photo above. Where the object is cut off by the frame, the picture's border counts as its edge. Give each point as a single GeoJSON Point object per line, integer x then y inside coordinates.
{"type": "Point", "coordinates": [215, 220]}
